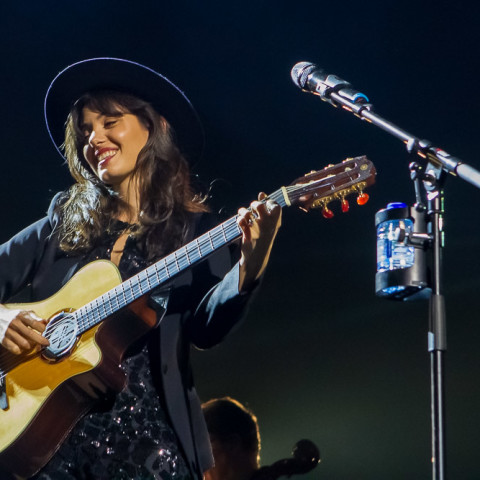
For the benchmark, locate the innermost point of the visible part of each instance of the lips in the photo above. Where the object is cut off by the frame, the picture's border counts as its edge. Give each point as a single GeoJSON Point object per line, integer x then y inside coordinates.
{"type": "Point", "coordinates": [104, 155]}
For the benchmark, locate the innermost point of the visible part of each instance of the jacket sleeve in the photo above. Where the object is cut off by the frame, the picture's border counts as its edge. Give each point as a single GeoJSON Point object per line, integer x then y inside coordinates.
{"type": "Point", "coordinates": [222, 308]}
{"type": "Point", "coordinates": [218, 305]}
{"type": "Point", "coordinates": [20, 256]}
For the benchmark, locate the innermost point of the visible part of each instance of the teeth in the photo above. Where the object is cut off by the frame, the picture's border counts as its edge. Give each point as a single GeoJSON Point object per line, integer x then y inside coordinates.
{"type": "Point", "coordinates": [104, 155]}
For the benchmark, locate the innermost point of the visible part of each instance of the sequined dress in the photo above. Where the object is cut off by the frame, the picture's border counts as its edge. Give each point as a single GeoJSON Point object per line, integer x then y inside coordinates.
{"type": "Point", "coordinates": [132, 439]}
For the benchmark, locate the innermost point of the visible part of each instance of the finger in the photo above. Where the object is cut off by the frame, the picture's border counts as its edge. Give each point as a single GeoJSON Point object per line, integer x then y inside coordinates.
{"type": "Point", "coordinates": [248, 215]}
{"type": "Point", "coordinates": [273, 207]}
{"type": "Point", "coordinates": [29, 328]}
{"type": "Point", "coordinates": [36, 323]}
{"type": "Point", "coordinates": [262, 196]}
{"type": "Point", "coordinates": [11, 346]}
{"type": "Point", "coordinates": [17, 339]}
{"type": "Point", "coordinates": [242, 212]}
{"type": "Point", "coordinates": [257, 208]}
{"type": "Point", "coordinates": [245, 221]}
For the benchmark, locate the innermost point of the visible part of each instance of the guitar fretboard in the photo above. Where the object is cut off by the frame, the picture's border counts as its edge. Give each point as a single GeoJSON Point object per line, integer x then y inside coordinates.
{"type": "Point", "coordinates": [160, 272]}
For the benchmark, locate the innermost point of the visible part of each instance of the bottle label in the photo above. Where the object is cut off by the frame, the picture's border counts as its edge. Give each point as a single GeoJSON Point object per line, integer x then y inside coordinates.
{"type": "Point", "coordinates": [392, 251]}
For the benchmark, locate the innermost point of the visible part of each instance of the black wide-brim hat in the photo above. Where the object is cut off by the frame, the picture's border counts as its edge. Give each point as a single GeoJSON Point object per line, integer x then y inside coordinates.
{"type": "Point", "coordinates": [128, 77]}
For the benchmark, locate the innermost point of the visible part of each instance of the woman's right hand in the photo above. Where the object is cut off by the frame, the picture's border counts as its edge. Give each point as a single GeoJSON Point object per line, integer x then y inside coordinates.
{"type": "Point", "coordinates": [20, 330]}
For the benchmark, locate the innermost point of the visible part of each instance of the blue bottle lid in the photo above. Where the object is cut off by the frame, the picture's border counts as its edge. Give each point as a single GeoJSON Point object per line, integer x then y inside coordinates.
{"type": "Point", "coordinates": [396, 205]}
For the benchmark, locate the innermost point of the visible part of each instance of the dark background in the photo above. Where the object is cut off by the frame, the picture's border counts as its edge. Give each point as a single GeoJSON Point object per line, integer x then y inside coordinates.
{"type": "Point", "coordinates": [320, 356]}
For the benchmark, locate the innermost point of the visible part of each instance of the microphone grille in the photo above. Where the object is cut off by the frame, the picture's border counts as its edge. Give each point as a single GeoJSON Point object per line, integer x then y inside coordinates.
{"type": "Point", "coordinates": [300, 73]}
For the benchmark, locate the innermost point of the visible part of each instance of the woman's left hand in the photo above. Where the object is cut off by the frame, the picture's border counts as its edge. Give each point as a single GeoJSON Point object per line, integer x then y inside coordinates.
{"type": "Point", "coordinates": [259, 225]}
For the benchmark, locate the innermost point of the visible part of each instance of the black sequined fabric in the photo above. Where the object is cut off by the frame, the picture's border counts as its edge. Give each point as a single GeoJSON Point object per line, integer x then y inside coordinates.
{"type": "Point", "coordinates": [131, 440]}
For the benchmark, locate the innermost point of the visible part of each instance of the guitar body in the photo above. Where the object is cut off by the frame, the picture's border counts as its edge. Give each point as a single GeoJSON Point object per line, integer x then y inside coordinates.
{"type": "Point", "coordinates": [45, 399]}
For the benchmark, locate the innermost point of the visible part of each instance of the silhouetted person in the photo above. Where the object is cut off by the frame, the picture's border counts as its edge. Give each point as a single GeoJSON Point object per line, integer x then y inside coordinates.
{"type": "Point", "coordinates": [235, 439]}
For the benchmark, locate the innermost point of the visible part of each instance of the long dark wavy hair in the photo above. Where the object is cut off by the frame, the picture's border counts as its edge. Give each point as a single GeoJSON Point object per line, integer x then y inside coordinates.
{"type": "Point", "coordinates": [162, 174]}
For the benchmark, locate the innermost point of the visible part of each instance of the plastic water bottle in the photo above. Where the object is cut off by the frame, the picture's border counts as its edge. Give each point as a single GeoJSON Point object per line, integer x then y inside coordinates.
{"type": "Point", "coordinates": [393, 253]}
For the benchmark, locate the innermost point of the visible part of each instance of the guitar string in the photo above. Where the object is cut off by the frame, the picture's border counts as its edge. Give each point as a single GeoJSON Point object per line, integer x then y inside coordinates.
{"type": "Point", "coordinates": [229, 229]}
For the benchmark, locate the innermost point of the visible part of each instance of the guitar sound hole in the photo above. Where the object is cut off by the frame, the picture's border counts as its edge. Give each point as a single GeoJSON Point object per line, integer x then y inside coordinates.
{"type": "Point", "coordinates": [61, 332]}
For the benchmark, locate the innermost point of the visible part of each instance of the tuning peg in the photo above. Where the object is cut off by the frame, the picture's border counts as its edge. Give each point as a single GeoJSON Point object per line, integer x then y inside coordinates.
{"type": "Point", "coordinates": [326, 212]}
{"type": "Point", "coordinates": [362, 198]}
{"type": "Point", "coordinates": [345, 205]}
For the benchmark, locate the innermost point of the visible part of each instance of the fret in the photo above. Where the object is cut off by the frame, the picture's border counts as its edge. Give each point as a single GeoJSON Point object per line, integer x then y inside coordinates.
{"type": "Point", "coordinates": [166, 268]}
{"type": "Point", "coordinates": [111, 299]}
{"type": "Point", "coordinates": [122, 291]}
{"type": "Point", "coordinates": [152, 274]}
{"type": "Point", "coordinates": [211, 242]}
{"type": "Point", "coordinates": [187, 256]}
{"type": "Point", "coordinates": [135, 288]}
{"type": "Point", "coordinates": [176, 260]}
{"type": "Point", "coordinates": [198, 248]}
{"type": "Point", "coordinates": [87, 314]}
{"type": "Point", "coordinates": [157, 276]}
{"type": "Point", "coordinates": [139, 281]}
{"type": "Point", "coordinates": [142, 280]}
{"type": "Point", "coordinates": [80, 321]}
{"type": "Point", "coordinates": [223, 232]}
{"type": "Point", "coordinates": [98, 306]}
{"type": "Point", "coordinates": [128, 293]}
{"type": "Point", "coordinates": [108, 303]}
{"type": "Point", "coordinates": [172, 265]}
{"type": "Point", "coordinates": [148, 281]}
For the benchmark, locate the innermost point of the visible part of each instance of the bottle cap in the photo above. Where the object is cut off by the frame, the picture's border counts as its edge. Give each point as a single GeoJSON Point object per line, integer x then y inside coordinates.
{"type": "Point", "coordinates": [396, 205]}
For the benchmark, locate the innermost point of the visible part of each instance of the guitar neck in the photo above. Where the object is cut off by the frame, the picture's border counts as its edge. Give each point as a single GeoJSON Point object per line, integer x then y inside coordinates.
{"type": "Point", "coordinates": [160, 272]}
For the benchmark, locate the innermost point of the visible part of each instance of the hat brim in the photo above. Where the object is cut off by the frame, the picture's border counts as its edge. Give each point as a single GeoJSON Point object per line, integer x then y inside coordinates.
{"type": "Point", "coordinates": [127, 76]}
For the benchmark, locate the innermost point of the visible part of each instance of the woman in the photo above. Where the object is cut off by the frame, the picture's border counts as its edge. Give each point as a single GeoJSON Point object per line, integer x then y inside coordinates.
{"type": "Point", "coordinates": [132, 203]}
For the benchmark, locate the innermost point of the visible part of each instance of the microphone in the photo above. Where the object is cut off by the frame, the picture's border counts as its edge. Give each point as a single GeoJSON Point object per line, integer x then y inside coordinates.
{"type": "Point", "coordinates": [311, 78]}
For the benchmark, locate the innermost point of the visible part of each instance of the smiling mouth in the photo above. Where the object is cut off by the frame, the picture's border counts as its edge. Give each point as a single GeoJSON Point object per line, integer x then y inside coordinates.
{"type": "Point", "coordinates": [105, 157]}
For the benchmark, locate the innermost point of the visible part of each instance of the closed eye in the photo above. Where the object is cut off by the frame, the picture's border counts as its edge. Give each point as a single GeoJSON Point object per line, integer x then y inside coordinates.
{"type": "Point", "coordinates": [111, 120]}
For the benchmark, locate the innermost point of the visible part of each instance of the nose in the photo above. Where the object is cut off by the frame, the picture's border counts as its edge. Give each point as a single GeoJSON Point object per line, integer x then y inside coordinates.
{"type": "Point", "coordinates": [96, 138]}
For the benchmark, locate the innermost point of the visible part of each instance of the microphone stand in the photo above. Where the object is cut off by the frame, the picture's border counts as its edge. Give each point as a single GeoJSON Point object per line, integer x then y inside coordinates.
{"type": "Point", "coordinates": [433, 180]}
{"type": "Point", "coordinates": [438, 163]}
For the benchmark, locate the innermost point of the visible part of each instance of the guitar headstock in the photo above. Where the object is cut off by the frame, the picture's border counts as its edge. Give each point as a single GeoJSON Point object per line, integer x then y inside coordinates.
{"type": "Point", "coordinates": [335, 182]}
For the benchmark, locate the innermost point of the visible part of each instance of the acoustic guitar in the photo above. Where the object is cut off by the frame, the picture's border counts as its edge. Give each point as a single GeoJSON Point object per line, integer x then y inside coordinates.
{"type": "Point", "coordinates": [95, 317]}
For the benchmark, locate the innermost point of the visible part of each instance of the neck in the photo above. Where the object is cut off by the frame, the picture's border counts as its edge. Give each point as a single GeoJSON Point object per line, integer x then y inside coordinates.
{"type": "Point", "coordinates": [129, 202]}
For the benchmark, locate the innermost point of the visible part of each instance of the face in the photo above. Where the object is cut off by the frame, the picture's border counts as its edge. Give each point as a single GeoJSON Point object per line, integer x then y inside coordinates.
{"type": "Point", "coordinates": [112, 145]}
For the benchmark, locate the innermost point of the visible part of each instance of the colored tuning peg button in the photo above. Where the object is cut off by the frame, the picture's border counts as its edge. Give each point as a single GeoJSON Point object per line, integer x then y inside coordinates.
{"type": "Point", "coordinates": [362, 198]}
{"type": "Point", "coordinates": [326, 212]}
{"type": "Point", "coordinates": [345, 205]}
